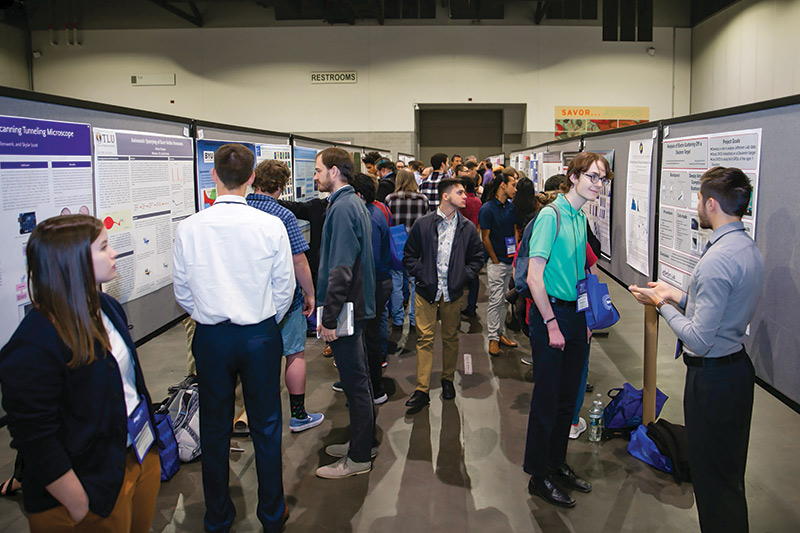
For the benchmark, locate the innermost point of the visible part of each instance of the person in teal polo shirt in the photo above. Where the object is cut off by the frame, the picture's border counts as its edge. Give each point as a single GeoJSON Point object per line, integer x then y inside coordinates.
{"type": "Point", "coordinates": [558, 333]}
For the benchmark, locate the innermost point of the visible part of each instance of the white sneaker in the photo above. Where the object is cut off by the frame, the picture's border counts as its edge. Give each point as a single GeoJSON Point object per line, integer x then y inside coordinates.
{"type": "Point", "coordinates": [576, 429]}
{"type": "Point", "coordinates": [380, 399]}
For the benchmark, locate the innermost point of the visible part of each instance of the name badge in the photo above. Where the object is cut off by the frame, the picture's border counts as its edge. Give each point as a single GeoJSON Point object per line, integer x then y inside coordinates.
{"type": "Point", "coordinates": [583, 297]}
{"type": "Point", "coordinates": [140, 430]}
{"type": "Point", "coordinates": [511, 246]}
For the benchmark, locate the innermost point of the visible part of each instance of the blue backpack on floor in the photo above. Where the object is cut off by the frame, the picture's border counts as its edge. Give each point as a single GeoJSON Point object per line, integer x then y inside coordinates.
{"type": "Point", "coordinates": [521, 266]}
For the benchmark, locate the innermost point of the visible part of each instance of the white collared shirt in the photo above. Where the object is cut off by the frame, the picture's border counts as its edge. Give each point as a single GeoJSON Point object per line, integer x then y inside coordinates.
{"type": "Point", "coordinates": [446, 228]}
{"type": "Point", "coordinates": [233, 262]}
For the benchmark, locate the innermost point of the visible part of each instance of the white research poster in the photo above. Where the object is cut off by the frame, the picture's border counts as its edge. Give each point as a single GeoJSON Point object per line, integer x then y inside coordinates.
{"type": "Point", "coordinates": [637, 205]}
{"type": "Point", "coordinates": [45, 171]}
{"type": "Point", "coordinates": [144, 186]}
{"type": "Point", "coordinates": [681, 240]}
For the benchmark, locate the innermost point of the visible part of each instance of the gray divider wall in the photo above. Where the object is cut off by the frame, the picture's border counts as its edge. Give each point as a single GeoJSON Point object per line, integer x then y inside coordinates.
{"type": "Point", "coordinates": [152, 311]}
{"type": "Point", "coordinates": [774, 333]}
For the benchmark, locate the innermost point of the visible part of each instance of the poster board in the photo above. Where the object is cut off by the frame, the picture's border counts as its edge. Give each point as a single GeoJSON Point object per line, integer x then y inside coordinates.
{"type": "Point", "coordinates": [774, 335]}
{"type": "Point", "coordinates": [144, 188]}
{"type": "Point", "coordinates": [681, 239]}
{"type": "Point", "coordinates": [45, 171]}
{"type": "Point", "coordinates": [150, 313]}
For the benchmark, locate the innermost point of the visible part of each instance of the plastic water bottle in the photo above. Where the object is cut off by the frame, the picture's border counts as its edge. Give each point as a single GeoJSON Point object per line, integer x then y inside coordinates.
{"type": "Point", "coordinates": [596, 420]}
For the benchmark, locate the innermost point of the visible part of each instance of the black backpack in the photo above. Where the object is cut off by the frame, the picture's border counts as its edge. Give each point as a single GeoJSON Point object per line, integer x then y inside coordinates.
{"type": "Point", "coordinates": [670, 439]}
{"type": "Point", "coordinates": [521, 266]}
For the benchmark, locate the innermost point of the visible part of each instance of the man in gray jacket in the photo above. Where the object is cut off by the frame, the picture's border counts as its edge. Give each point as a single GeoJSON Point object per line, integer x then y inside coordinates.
{"type": "Point", "coordinates": [347, 274]}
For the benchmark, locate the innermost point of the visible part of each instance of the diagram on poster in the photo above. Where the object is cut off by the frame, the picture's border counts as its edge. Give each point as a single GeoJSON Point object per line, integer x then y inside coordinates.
{"type": "Point", "coordinates": [598, 212]}
{"type": "Point", "coordinates": [304, 186]}
{"type": "Point", "coordinates": [143, 187]}
{"type": "Point", "coordinates": [45, 171]}
{"type": "Point", "coordinates": [681, 238]}
{"type": "Point", "coordinates": [637, 202]}
{"type": "Point", "coordinates": [281, 152]}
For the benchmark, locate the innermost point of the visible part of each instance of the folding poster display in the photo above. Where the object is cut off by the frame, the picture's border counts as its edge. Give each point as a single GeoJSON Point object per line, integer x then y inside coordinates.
{"type": "Point", "coordinates": [681, 237]}
{"type": "Point", "coordinates": [206, 189]}
{"type": "Point", "coordinates": [281, 152]}
{"type": "Point", "coordinates": [551, 165]}
{"type": "Point", "coordinates": [45, 171]}
{"type": "Point", "coordinates": [304, 161]}
{"type": "Point", "coordinates": [144, 186]}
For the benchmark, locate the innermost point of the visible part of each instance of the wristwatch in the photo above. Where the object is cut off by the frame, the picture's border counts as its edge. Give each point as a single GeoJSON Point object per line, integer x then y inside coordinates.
{"type": "Point", "coordinates": [549, 320]}
{"type": "Point", "coordinates": [661, 304]}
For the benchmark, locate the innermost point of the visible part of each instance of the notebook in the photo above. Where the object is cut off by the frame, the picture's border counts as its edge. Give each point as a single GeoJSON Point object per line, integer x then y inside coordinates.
{"type": "Point", "coordinates": [345, 322]}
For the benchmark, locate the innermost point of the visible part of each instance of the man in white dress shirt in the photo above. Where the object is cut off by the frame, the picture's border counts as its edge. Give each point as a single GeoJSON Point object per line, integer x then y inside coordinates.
{"type": "Point", "coordinates": [233, 274]}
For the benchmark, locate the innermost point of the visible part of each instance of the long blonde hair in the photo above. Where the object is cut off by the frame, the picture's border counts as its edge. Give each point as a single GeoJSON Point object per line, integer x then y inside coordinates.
{"type": "Point", "coordinates": [405, 181]}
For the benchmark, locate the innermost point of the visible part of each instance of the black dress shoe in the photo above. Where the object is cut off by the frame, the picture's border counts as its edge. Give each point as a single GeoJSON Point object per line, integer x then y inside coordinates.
{"type": "Point", "coordinates": [546, 489]}
{"type": "Point", "coordinates": [448, 390]}
{"type": "Point", "coordinates": [418, 399]}
{"type": "Point", "coordinates": [567, 477]}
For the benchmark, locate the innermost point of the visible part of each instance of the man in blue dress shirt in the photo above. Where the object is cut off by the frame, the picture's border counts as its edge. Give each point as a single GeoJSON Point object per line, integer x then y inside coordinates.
{"type": "Point", "coordinates": [718, 396]}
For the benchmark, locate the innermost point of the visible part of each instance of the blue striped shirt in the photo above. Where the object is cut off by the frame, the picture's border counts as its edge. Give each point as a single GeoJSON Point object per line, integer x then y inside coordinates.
{"type": "Point", "coordinates": [270, 205]}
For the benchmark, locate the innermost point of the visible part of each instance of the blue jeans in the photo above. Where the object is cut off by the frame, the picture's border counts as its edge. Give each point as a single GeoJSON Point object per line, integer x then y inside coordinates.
{"type": "Point", "coordinates": [400, 285]}
{"type": "Point", "coordinates": [254, 353]}
{"type": "Point", "coordinates": [582, 389]}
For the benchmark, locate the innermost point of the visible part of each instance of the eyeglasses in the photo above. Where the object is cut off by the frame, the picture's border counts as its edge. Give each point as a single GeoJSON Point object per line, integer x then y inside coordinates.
{"type": "Point", "coordinates": [594, 178]}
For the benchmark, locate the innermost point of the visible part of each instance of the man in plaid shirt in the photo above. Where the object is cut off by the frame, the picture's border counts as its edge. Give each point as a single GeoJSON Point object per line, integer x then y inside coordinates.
{"type": "Point", "coordinates": [271, 177]}
{"type": "Point", "coordinates": [430, 185]}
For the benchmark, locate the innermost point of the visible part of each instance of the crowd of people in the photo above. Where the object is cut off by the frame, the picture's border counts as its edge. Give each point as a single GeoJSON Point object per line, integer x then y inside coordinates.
{"type": "Point", "coordinates": [80, 413]}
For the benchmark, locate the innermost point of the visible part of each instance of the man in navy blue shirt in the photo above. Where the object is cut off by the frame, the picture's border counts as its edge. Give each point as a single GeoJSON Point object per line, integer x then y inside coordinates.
{"type": "Point", "coordinates": [496, 219]}
{"type": "Point", "coordinates": [271, 177]}
{"type": "Point", "coordinates": [365, 187]}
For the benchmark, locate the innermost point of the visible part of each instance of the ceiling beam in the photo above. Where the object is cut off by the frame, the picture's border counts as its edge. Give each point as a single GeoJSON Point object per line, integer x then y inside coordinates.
{"type": "Point", "coordinates": [195, 17]}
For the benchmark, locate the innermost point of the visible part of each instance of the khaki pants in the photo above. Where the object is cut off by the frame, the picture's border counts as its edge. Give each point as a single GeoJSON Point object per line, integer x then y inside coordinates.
{"type": "Point", "coordinates": [133, 511]}
{"type": "Point", "coordinates": [450, 316]}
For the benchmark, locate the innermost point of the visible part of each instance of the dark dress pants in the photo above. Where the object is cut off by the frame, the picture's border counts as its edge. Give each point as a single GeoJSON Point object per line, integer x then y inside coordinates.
{"type": "Point", "coordinates": [557, 376]}
{"type": "Point", "coordinates": [717, 408]}
{"type": "Point", "coordinates": [254, 353]}
{"type": "Point", "coordinates": [372, 336]}
{"type": "Point", "coordinates": [351, 361]}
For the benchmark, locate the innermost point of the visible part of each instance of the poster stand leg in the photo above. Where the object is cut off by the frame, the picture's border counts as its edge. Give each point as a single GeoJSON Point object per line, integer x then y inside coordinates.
{"type": "Point", "coordinates": [650, 363]}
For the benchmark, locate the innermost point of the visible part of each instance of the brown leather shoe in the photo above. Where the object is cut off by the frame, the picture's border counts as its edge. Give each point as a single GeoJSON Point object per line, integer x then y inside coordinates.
{"type": "Point", "coordinates": [327, 352]}
{"type": "Point", "coordinates": [494, 348]}
{"type": "Point", "coordinates": [505, 341]}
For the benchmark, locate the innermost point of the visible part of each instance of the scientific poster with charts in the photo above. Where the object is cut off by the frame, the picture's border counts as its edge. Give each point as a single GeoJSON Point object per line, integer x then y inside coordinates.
{"type": "Point", "coordinates": [280, 152]}
{"type": "Point", "coordinates": [304, 161]}
{"type": "Point", "coordinates": [598, 212]}
{"type": "Point", "coordinates": [144, 187]}
{"type": "Point", "coordinates": [206, 188]}
{"type": "Point", "coordinates": [637, 202]}
{"type": "Point", "coordinates": [45, 171]}
{"type": "Point", "coordinates": [681, 240]}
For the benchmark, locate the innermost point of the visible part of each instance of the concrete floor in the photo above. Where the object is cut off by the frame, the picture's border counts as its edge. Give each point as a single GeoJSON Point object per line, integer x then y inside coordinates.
{"type": "Point", "coordinates": [456, 466]}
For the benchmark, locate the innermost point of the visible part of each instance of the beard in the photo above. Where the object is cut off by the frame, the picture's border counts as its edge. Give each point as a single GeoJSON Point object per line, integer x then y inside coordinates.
{"type": "Point", "coordinates": [702, 218]}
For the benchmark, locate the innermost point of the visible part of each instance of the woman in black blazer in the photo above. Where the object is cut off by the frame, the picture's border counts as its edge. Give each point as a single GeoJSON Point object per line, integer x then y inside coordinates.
{"type": "Point", "coordinates": [78, 408]}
